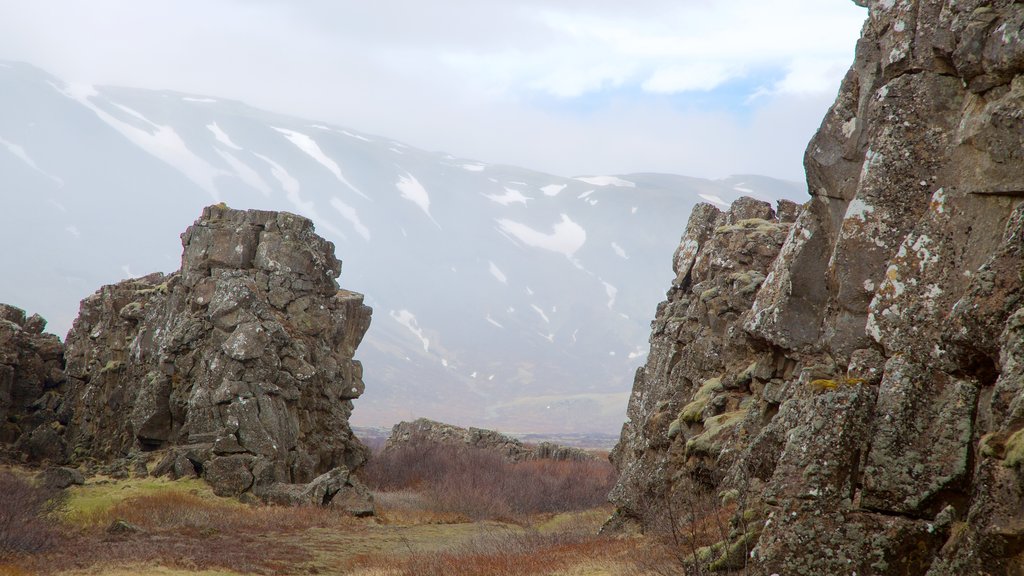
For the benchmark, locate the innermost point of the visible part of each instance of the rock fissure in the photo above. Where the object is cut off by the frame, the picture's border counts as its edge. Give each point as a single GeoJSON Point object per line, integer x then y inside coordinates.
{"type": "Point", "coordinates": [885, 437]}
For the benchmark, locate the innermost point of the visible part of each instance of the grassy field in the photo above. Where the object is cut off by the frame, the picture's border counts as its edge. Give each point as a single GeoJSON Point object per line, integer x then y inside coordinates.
{"type": "Point", "coordinates": [168, 528]}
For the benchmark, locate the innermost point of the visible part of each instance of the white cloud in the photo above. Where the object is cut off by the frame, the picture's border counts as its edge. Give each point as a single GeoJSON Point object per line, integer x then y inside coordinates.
{"type": "Point", "coordinates": [497, 72]}
{"type": "Point", "coordinates": [684, 77]}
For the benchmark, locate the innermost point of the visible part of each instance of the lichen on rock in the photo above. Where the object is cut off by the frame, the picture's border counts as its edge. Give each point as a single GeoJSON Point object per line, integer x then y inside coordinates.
{"type": "Point", "coordinates": [883, 423]}
{"type": "Point", "coordinates": [238, 368]}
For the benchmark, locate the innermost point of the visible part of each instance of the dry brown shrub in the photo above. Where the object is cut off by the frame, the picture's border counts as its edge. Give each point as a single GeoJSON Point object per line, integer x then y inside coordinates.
{"type": "Point", "coordinates": [481, 484]}
{"type": "Point", "coordinates": [27, 517]}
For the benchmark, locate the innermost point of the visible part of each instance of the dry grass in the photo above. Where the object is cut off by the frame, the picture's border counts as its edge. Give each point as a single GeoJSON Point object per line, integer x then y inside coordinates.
{"type": "Point", "coordinates": [563, 544]}
{"type": "Point", "coordinates": [182, 531]}
{"type": "Point", "coordinates": [455, 513]}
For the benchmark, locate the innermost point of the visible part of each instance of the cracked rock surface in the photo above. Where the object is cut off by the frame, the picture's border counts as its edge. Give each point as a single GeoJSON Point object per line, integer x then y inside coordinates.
{"type": "Point", "coordinates": [238, 368]}
{"type": "Point", "coordinates": [855, 374]}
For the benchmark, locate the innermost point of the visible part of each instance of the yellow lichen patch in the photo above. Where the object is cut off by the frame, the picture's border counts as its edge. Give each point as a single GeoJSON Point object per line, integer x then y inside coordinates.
{"type": "Point", "coordinates": [822, 384]}
{"type": "Point", "coordinates": [158, 289]}
{"type": "Point", "coordinates": [992, 445]}
{"type": "Point", "coordinates": [1014, 454]}
{"type": "Point", "coordinates": [758, 226]}
{"type": "Point", "coordinates": [112, 366]}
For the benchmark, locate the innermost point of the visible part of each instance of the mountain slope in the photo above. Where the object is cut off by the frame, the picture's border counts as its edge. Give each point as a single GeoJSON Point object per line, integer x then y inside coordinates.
{"type": "Point", "coordinates": [502, 297]}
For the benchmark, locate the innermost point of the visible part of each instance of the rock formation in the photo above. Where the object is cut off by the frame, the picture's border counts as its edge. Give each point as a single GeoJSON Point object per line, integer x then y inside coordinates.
{"type": "Point", "coordinates": [857, 376]}
{"type": "Point", "coordinates": [31, 375]}
{"type": "Point", "coordinates": [238, 368]}
{"type": "Point", "coordinates": [429, 431]}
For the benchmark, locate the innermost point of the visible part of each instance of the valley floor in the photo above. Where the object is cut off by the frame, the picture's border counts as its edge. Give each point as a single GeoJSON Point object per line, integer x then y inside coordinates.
{"type": "Point", "coordinates": [145, 526]}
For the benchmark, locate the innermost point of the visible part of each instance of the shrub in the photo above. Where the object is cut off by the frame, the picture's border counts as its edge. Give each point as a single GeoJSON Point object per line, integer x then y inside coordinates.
{"type": "Point", "coordinates": [27, 516]}
{"type": "Point", "coordinates": [482, 484]}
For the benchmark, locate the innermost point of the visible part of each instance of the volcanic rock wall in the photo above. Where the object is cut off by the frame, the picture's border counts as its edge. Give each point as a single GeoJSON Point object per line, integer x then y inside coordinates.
{"type": "Point", "coordinates": [428, 432]}
{"type": "Point", "coordinates": [238, 368]}
{"type": "Point", "coordinates": [863, 390]}
{"type": "Point", "coordinates": [31, 378]}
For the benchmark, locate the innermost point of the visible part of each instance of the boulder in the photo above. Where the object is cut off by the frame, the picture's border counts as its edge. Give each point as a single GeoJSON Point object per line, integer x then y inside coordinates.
{"type": "Point", "coordinates": [59, 478]}
{"type": "Point", "coordinates": [240, 365]}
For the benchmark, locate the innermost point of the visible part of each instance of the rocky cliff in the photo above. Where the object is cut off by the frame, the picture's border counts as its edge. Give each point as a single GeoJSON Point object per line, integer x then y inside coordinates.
{"type": "Point", "coordinates": [856, 376]}
{"type": "Point", "coordinates": [31, 378]}
{"type": "Point", "coordinates": [238, 368]}
{"type": "Point", "coordinates": [423, 430]}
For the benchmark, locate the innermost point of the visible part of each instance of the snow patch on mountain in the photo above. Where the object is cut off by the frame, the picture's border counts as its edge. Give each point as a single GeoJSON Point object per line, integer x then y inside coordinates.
{"type": "Point", "coordinates": [606, 181]}
{"type": "Point", "coordinates": [408, 319]}
{"type": "Point", "coordinates": [222, 136]}
{"type": "Point", "coordinates": [511, 196]}
{"type": "Point", "coordinates": [473, 167]}
{"type": "Point", "coordinates": [162, 142]}
{"type": "Point", "coordinates": [493, 321]}
{"type": "Point", "coordinates": [292, 193]}
{"type": "Point", "coordinates": [540, 312]}
{"type": "Point", "coordinates": [245, 173]}
{"type": "Point", "coordinates": [356, 136]}
{"type": "Point", "coordinates": [497, 273]}
{"type": "Point", "coordinates": [552, 189]}
{"type": "Point", "coordinates": [349, 213]}
{"type": "Point", "coordinates": [198, 99]}
{"type": "Point", "coordinates": [20, 153]}
{"type": "Point", "coordinates": [715, 199]}
{"type": "Point", "coordinates": [566, 237]}
{"type": "Point", "coordinates": [619, 251]}
{"type": "Point", "coordinates": [305, 143]}
{"type": "Point", "coordinates": [612, 292]}
{"type": "Point", "coordinates": [414, 192]}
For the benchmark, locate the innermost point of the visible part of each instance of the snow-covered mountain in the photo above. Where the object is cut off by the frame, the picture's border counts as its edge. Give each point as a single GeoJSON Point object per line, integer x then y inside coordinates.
{"type": "Point", "coordinates": [502, 297]}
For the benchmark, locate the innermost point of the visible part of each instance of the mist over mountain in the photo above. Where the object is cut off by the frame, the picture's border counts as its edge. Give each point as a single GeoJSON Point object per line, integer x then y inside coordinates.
{"type": "Point", "coordinates": [502, 297]}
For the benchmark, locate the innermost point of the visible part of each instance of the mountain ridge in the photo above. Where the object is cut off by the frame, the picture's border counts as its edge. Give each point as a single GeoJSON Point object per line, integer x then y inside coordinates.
{"type": "Point", "coordinates": [459, 257]}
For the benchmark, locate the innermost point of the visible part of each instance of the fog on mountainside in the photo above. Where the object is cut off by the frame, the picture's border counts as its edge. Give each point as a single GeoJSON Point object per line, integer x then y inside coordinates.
{"type": "Point", "coordinates": [502, 297]}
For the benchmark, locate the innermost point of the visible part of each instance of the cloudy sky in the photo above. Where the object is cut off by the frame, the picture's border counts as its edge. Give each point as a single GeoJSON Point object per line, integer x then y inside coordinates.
{"type": "Point", "coordinates": [697, 87]}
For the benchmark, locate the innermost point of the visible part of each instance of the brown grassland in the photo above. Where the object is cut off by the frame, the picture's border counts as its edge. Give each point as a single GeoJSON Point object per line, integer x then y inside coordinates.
{"type": "Point", "coordinates": [439, 512]}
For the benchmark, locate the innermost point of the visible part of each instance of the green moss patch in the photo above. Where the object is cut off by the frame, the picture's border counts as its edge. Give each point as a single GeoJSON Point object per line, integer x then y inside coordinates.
{"type": "Point", "coordinates": [693, 412]}
{"type": "Point", "coordinates": [101, 494]}
{"type": "Point", "coordinates": [716, 431]}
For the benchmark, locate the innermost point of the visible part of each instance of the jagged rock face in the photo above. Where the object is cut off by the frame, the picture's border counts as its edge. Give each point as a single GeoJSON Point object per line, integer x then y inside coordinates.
{"type": "Point", "coordinates": [699, 369]}
{"type": "Point", "coordinates": [878, 426]}
{"type": "Point", "coordinates": [241, 363]}
{"type": "Point", "coordinates": [423, 430]}
{"type": "Point", "coordinates": [31, 375]}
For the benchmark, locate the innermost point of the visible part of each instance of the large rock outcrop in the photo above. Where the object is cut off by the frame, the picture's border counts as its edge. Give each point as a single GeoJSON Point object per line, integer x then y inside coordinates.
{"type": "Point", "coordinates": [239, 367]}
{"type": "Point", "coordinates": [863, 393]}
{"type": "Point", "coordinates": [31, 378]}
{"type": "Point", "coordinates": [424, 431]}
